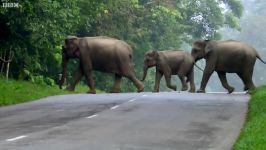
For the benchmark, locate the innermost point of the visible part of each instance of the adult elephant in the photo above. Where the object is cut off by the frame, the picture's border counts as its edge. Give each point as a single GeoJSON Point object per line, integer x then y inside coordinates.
{"type": "Point", "coordinates": [226, 57]}
{"type": "Point", "coordinates": [102, 54]}
{"type": "Point", "coordinates": [170, 62]}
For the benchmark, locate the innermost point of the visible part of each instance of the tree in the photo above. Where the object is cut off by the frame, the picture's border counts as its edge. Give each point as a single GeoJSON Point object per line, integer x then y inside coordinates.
{"type": "Point", "coordinates": [34, 30]}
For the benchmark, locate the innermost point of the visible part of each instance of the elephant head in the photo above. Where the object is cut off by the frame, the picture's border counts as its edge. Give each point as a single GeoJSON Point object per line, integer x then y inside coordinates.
{"type": "Point", "coordinates": [72, 47]}
{"type": "Point", "coordinates": [150, 60]}
{"type": "Point", "coordinates": [69, 50]}
{"type": "Point", "coordinates": [200, 49]}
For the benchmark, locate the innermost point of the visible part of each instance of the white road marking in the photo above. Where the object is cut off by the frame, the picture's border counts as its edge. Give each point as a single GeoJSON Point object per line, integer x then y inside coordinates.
{"type": "Point", "coordinates": [144, 95]}
{"type": "Point", "coordinates": [92, 116]}
{"type": "Point", "coordinates": [132, 100]}
{"type": "Point", "coordinates": [59, 110]}
{"type": "Point", "coordinates": [114, 107]}
{"type": "Point", "coordinates": [16, 138]}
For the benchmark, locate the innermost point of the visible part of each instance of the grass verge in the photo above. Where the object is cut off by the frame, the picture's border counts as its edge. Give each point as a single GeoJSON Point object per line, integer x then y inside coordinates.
{"type": "Point", "coordinates": [253, 135]}
{"type": "Point", "coordinates": [14, 92]}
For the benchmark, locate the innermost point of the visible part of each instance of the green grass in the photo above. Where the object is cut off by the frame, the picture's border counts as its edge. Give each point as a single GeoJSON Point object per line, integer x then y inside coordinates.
{"type": "Point", "coordinates": [14, 92]}
{"type": "Point", "coordinates": [253, 135]}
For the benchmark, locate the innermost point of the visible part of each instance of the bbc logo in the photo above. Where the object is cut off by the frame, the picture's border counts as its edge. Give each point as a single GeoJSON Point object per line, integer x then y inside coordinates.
{"type": "Point", "coordinates": [10, 5]}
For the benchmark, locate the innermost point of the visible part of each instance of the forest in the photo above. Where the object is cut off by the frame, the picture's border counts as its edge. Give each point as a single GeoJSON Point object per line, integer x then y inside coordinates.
{"type": "Point", "coordinates": [35, 32]}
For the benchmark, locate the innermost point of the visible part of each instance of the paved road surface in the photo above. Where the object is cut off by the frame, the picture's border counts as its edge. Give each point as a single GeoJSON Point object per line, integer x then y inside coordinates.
{"type": "Point", "coordinates": [136, 121]}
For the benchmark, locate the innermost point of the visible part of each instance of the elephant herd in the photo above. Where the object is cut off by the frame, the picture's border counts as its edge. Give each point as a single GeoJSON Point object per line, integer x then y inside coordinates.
{"type": "Point", "coordinates": [115, 56]}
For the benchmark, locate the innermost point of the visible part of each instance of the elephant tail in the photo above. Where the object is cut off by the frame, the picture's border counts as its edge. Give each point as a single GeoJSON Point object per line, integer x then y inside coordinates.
{"type": "Point", "coordinates": [258, 56]}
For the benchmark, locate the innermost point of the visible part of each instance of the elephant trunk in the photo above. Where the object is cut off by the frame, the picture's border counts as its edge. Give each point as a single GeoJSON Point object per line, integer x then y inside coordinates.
{"type": "Point", "coordinates": [64, 66]}
{"type": "Point", "coordinates": [195, 58]}
{"type": "Point", "coordinates": [145, 69]}
{"type": "Point", "coordinates": [198, 67]}
{"type": "Point", "coordinates": [195, 64]}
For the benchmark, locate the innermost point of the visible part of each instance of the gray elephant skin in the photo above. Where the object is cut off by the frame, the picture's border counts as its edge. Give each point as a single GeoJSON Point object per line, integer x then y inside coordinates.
{"type": "Point", "coordinates": [170, 62]}
{"type": "Point", "coordinates": [228, 56]}
{"type": "Point", "coordinates": [100, 53]}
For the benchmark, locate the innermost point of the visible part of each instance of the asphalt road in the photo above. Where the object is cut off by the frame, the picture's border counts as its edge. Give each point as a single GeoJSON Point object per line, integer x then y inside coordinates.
{"type": "Point", "coordinates": [136, 121]}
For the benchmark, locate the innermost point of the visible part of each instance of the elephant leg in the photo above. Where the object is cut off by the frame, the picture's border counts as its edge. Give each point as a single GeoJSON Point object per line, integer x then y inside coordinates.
{"type": "Point", "coordinates": [87, 69]}
{"type": "Point", "coordinates": [247, 80]}
{"type": "Point", "coordinates": [90, 83]}
{"type": "Point", "coordinates": [77, 77]}
{"type": "Point", "coordinates": [158, 78]}
{"type": "Point", "coordinates": [222, 77]}
{"type": "Point", "coordinates": [248, 76]}
{"type": "Point", "coordinates": [184, 83]}
{"type": "Point", "coordinates": [206, 76]}
{"type": "Point", "coordinates": [168, 82]}
{"type": "Point", "coordinates": [191, 81]}
{"type": "Point", "coordinates": [117, 84]}
{"type": "Point", "coordinates": [204, 81]}
{"type": "Point", "coordinates": [136, 82]}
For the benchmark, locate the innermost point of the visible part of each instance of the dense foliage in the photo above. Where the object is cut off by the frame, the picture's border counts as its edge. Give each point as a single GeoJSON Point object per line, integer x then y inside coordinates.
{"type": "Point", "coordinates": [253, 133]}
{"type": "Point", "coordinates": [36, 30]}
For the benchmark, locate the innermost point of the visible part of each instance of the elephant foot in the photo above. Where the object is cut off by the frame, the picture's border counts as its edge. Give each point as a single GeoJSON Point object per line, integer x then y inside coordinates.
{"type": "Point", "coordinates": [251, 91]}
{"type": "Point", "coordinates": [184, 88]}
{"type": "Point", "coordinates": [91, 92]}
{"type": "Point", "coordinates": [248, 92]}
{"type": "Point", "coordinates": [155, 91]}
{"type": "Point", "coordinates": [246, 88]}
{"type": "Point", "coordinates": [173, 88]}
{"type": "Point", "coordinates": [230, 90]}
{"type": "Point", "coordinates": [141, 89]}
{"type": "Point", "coordinates": [70, 88]}
{"type": "Point", "coordinates": [192, 90]}
{"type": "Point", "coordinates": [201, 91]}
{"type": "Point", "coordinates": [115, 91]}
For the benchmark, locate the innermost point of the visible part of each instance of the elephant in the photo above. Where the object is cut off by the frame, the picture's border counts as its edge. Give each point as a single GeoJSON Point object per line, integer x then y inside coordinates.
{"type": "Point", "coordinates": [170, 62]}
{"type": "Point", "coordinates": [227, 56]}
{"type": "Point", "coordinates": [100, 53]}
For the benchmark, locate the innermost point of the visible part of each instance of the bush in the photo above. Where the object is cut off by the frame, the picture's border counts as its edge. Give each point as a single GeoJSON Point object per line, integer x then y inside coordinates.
{"type": "Point", "coordinates": [25, 74]}
{"type": "Point", "coordinates": [38, 79]}
{"type": "Point", "coordinates": [49, 81]}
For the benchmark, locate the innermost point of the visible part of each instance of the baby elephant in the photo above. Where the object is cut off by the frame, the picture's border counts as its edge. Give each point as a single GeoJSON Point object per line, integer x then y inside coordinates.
{"type": "Point", "coordinates": [170, 62]}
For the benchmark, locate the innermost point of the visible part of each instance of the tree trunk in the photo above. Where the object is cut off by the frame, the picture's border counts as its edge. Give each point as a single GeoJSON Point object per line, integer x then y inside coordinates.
{"type": "Point", "coordinates": [8, 63]}
{"type": "Point", "coordinates": [7, 70]}
{"type": "Point", "coordinates": [3, 63]}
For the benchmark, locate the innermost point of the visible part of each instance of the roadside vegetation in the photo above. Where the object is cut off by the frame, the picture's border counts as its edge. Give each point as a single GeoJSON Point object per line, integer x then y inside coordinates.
{"type": "Point", "coordinates": [253, 135]}
{"type": "Point", "coordinates": [16, 91]}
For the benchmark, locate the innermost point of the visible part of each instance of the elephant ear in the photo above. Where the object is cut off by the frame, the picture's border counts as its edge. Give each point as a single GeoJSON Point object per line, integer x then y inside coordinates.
{"type": "Point", "coordinates": [77, 50]}
{"type": "Point", "coordinates": [199, 44]}
{"type": "Point", "coordinates": [208, 47]}
{"type": "Point", "coordinates": [155, 54]}
{"type": "Point", "coordinates": [72, 43]}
